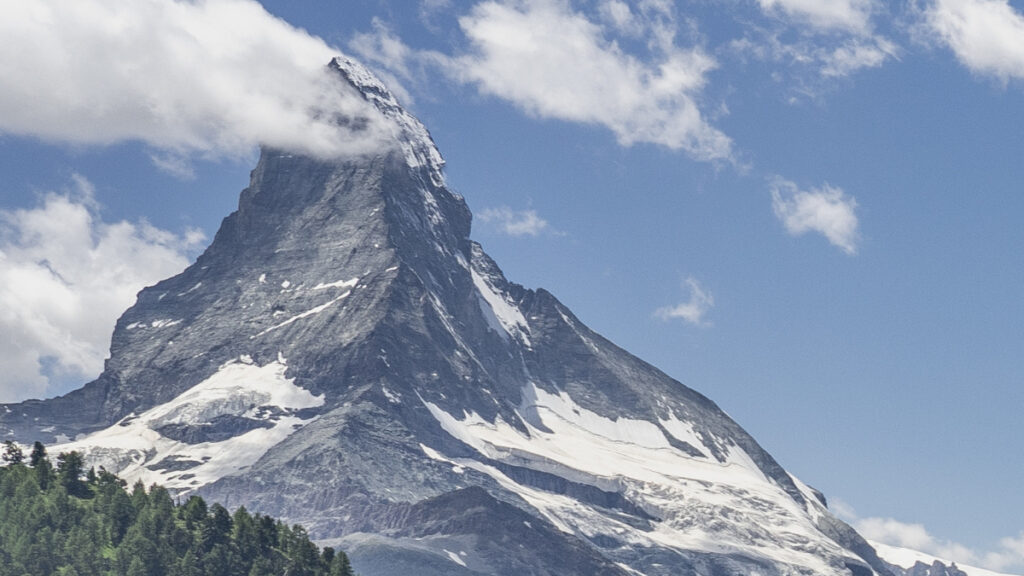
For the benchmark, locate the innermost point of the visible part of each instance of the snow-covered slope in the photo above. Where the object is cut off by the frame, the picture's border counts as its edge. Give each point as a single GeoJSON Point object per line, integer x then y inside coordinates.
{"type": "Point", "coordinates": [343, 355]}
{"type": "Point", "coordinates": [219, 427]}
{"type": "Point", "coordinates": [693, 500]}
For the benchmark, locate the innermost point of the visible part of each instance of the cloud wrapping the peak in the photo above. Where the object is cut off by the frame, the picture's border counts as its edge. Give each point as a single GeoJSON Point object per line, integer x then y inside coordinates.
{"type": "Point", "coordinates": [65, 277]}
{"type": "Point", "coordinates": [826, 210]}
{"type": "Point", "coordinates": [209, 77]}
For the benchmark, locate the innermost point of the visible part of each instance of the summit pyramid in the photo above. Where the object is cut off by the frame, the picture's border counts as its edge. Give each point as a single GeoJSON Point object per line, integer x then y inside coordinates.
{"type": "Point", "coordinates": [343, 355]}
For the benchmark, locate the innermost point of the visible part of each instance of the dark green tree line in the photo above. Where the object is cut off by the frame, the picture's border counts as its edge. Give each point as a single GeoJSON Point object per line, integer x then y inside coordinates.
{"type": "Point", "coordinates": [70, 521]}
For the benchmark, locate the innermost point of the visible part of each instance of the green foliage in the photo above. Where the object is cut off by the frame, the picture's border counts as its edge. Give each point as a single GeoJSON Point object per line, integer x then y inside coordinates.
{"type": "Point", "coordinates": [70, 522]}
{"type": "Point", "coordinates": [12, 453]}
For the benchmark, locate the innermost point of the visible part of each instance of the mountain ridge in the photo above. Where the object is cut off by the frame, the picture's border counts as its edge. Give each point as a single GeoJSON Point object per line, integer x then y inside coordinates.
{"type": "Point", "coordinates": [344, 355]}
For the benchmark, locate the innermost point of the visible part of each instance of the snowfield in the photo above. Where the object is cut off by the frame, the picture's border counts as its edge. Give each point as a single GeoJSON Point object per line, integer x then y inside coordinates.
{"type": "Point", "coordinates": [136, 450]}
{"type": "Point", "coordinates": [699, 502]}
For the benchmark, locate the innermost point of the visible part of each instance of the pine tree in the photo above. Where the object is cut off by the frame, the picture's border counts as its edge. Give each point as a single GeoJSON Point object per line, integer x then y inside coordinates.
{"type": "Point", "coordinates": [59, 524]}
{"type": "Point", "coordinates": [70, 466]}
{"type": "Point", "coordinates": [12, 453]}
{"type": "Point", "coordinates": [38, 454]}
{"type": "Point", "coordinates": [340, 566]}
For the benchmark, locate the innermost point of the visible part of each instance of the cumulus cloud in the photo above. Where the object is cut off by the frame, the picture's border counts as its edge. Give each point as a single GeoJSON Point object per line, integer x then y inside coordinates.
{"type": "Point", "coordinates": [1008, 553]}
{"type": "Point", "coordinates": [65, 277]}
{"type": "Point", "coordinates": [826, 210]}
{"type": "Point", "coordinates": [987, 36]}
{"type": "Point", "coordinates": [209, 77]}
{"type": "Point", "coordinates": [699, 302]}
{"type": "Point", "coordinates": [912, 536]}
{"type": "Point", "coordinates": [554, 62]}
{"type": "Point", "coordinates": [514, 222]}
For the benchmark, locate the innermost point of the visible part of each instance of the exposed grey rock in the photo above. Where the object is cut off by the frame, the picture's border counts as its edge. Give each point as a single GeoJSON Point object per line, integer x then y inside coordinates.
{"type": "Point", "coordinates": [439, 387]}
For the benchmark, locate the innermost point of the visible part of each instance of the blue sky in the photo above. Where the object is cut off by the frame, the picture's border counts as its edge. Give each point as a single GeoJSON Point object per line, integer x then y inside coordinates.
{"type": "Point", "coordinates": [810, 211]}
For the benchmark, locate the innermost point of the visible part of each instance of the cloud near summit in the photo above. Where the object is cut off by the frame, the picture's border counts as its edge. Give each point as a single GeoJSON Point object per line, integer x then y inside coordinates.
{"type": "Point", "coordinates": [555, 62]}
{"type": "Point", "coordinates": [212, 78]}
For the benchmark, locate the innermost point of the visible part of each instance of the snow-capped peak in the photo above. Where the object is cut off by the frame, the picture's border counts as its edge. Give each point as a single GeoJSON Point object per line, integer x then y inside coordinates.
{"type": "Point", "coordinates": [414, 139]}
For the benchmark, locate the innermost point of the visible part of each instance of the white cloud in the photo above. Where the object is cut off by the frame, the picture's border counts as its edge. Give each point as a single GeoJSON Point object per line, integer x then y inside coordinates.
{"type": "Point", "coordinates": [619, 15]}
{"type": "Point", "coordinates": [431, 7]}
{"type": "Point", "coordinates": [815, 59]}
{"type": "Point", "coordinates": [856, 55]}
{"type": "Point", "coordinates": [554, 62]}
{"type": "Point", "coordinates": [987, 36]}
{"type": "Point", "coordinates": [699, 303]}
{"type": "Point", "coordinates": [514, 222]}
{"type": "Point", "coordinates": [819, 41]}
{"type": "Point", "coordinates": [1008, 553]}
{"type": "Point", "coordinates": [212, 77]}
{"type": "Point", "coordinates": [826, 210]}
{"type": "Point", "coordinates": [913, 536]}
{"type": "Point", "coordinates": [65, 277]}
{"type": "Point", "coordinates": [845, 15]}
{"type": "Point", "coordinates": [391, 58]}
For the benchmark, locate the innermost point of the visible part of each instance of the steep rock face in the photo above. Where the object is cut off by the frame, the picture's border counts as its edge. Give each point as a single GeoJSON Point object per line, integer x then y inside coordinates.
{"type": "Point", "coordinates": [345, 356]}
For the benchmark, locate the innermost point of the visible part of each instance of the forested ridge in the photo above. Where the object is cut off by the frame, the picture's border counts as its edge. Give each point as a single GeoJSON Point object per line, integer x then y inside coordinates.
{"type": "Point", "coordinates": [68, 521]}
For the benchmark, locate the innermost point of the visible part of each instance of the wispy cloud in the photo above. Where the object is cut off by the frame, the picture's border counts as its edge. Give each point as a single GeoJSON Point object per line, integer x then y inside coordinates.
{"type": "Point", "coordinates": [854, 55]}
{"type": "Point", "coordinates": [698, 303]}
{"type": "Point", "coordinates": [65, 277]}
{"type": "Point", "coordinates": [212, 78]}
{"type": "Point", "coordinates": [846, 15]}
{"type": "Point", "coordinates": [811, 44]}
{"type": "Point", "coordinates": [514, 222]}
{"type": "Point", "coordinates": [987, 36]}
{"type": "Point", "coordinates": [826, 210]}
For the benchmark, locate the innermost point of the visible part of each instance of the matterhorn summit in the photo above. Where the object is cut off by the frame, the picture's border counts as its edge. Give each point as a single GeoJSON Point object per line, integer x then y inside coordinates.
{"type": "Point", "coordinates": [344, 356]}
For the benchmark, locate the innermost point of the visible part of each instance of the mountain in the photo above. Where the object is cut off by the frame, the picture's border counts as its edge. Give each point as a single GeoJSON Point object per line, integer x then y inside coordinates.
{"type": "Point", "coordinates": [913, 563]}
{"type": "Point", "coordinates": [343, 355]}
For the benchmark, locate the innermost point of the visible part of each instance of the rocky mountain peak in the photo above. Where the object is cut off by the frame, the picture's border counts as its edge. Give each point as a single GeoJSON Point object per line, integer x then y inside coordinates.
{"type": "Point", "coordinates": [414, 140]}
{"type": "Point", "coordinates": [343, 355]}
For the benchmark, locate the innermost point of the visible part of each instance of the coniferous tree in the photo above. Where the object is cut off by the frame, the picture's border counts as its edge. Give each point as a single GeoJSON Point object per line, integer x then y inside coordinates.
{"type": "Point", "coordinates": [38, 454]}
{"type": "Point", "coordinates": [70, 466]}
{"type": "Point", "coordinates": [12, 453]}
{"type": "Point", "coordinates": [67, 523]}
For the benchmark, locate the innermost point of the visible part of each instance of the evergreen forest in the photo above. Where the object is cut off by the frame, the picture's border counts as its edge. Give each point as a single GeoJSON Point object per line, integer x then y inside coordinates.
{"type": "Point", "coordinates": [67, 521]}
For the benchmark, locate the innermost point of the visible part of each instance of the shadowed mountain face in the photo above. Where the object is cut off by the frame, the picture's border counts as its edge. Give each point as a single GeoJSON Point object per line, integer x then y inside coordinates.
{"type": "Point", "coordinates": [344, 356]}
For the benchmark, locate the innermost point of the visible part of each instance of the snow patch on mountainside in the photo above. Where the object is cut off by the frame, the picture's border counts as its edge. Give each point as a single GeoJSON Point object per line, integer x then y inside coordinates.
{"type": "Point", "coordinates": [136, 450]}
{"type": "Point", "coordinates": [699, 503]}
{"type": "Point", "coordinates": [502, 315]}
{"type": "Point", "coordinates": [339, 284]}
{"type": "Point", "coordinates": [306, 314]}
